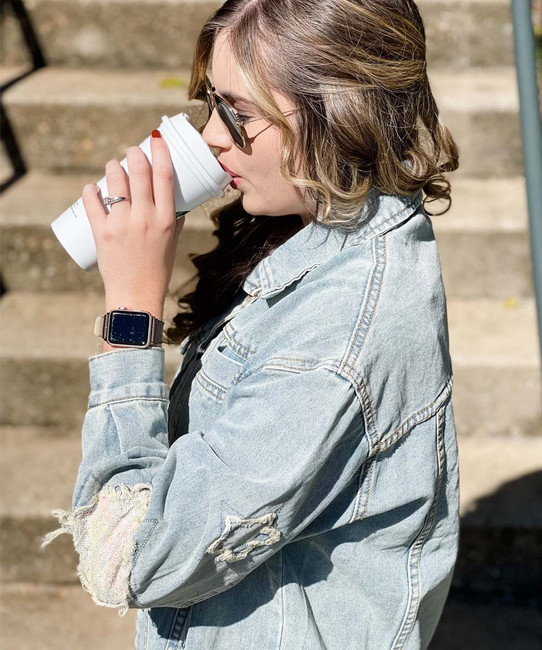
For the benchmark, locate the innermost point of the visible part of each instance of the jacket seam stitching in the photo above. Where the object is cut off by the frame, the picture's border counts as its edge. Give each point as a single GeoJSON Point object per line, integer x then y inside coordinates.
{"type": "Point", "coordinates": [362, 393]}
{"type": "Point", "coordinates": [209, 386]}
{"type": "Point", "coordinates": [423, 414]}
{"type": "Point", "coordinates": [376, 229]}
{"type": "Point", "coordinates": [329, 364]}
{"type": "Point", "coordinates": [282, 608]}
{"type": "Point", "coordinates": [370, 302]}
{"type": "Point", "coordinates": [309, 364]}
{"type": "Point", "coordinates": [365, 318]}
{"type": "Point", "coordinates": [237, 347]}
{"type": "Point", "coordinates": [366, 475]}
{"type": "Point", "coordinates": [221, 354]}
{"type": "Point", "coordinates": [88, 478]}
{"type": "Point", "coordinates": [129, 399]}
{"type": "Point", "coordinates": [124, 352]}
{"type": "Point", "coordinates": [137, 552]}
{"type": "Point", "coordinates": [416, 548]}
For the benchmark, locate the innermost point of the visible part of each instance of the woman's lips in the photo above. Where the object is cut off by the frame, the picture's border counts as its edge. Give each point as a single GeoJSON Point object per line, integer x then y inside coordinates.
{"type": "Point", "coordinates": [236, 179]}
{"type": "Point", "coordinates": [228, 171]}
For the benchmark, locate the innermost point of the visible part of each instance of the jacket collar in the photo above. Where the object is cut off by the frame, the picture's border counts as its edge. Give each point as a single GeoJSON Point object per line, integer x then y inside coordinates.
{"type": "Point", "coordinates": [317, 242]}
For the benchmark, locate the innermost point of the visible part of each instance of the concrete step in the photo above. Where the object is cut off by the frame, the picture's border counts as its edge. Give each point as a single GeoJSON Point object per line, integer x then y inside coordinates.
{"type": "Point", "coordinates": [12, 73]}
{"type": "Point", "coordinates": [6, 168]}
{"type": "Point", "coordinates": [483, 239]}
{"type": "Point", "coordinates": [75, 120]}
{"type": "Point", "coordinates": [34, 260]}
{"type": "Point", "coordinates": [58, 617]}
{"type": "Point", "coordinates": [9, 75]}
{"type": "Point", "coordinates": [95, 33]}
{"type": "Point", "coordinates": [496, 363]}
{"type": "Point", "coordinates": [131, 34]}
{"type": "Point", "coordinates": [65, 617]}
{"type": "Point", "coordinates": [500, 479]}
{"type": "Point", "coordinates": [494, 348]}
{"type": "Point", "coordinates": [54, 360]}
{"type": "Point", "coordinates": [481, 109]}
{"type": "Point", "coordinates": [13, 49]}
{"type": "Point", "coordinates": [39, 468]}
{"type": "Point", "coordinates": [501, 519]}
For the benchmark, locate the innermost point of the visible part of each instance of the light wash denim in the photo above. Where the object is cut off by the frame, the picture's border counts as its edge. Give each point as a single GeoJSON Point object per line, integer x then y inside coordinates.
{"type": "Point", "coordinates": [311, 501]}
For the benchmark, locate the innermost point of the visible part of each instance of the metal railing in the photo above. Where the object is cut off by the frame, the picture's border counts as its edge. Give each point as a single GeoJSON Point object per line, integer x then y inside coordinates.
{"type": "Point", "coordinates": [531, 131]}
{"type": "Point", "coordinates": [7, 134]}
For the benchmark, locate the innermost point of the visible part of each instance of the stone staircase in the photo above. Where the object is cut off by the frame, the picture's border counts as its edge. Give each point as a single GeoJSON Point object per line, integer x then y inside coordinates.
{"type": "Point", "coordinates": [113, 69]}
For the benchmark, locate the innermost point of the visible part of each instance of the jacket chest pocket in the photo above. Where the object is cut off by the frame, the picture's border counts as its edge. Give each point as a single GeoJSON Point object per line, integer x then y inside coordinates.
{"type": "Point", "coordinates": [222, 364]}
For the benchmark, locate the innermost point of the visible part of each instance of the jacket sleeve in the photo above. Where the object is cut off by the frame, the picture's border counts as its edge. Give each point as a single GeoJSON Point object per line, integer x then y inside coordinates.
{"type": "Point", "coordinates": [159, 526]}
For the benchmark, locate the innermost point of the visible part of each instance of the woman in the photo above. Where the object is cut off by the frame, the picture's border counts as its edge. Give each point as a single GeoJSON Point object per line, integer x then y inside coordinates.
{"type": "Point", "coordinates": [305, 494]}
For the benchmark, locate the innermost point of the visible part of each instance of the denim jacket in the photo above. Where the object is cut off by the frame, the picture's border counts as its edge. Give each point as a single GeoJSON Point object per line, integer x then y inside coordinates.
{"type": "Point", "coordinates": [310, 500]}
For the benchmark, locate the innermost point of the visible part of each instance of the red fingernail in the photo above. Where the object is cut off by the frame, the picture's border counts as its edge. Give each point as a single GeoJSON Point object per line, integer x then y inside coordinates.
{"type": "Point", "coordinates": [156, 134]}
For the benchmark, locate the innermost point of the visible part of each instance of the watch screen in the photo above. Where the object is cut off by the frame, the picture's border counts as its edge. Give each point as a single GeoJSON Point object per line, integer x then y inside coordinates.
{"type": "Point", "coordinates": [129, 328]}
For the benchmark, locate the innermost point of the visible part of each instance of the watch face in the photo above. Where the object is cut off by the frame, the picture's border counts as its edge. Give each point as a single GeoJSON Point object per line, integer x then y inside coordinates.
{"type": "Point", "coordinates": [129, 328]}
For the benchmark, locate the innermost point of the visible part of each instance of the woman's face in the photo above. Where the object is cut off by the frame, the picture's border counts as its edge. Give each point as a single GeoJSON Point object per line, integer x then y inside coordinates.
{"type": "Point", "coordinates": [264, 191]}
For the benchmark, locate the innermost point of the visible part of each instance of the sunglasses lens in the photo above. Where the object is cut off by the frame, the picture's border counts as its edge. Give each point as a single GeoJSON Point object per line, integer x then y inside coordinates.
{"type": "Point", "coordinates": [228, 118]}
{"type": "Point", "coordinates": [224, 111]}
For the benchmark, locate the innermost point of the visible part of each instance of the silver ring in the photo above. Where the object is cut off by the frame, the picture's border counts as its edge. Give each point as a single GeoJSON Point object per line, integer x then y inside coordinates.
{"type": "Point", "coordinates": [108, 200]}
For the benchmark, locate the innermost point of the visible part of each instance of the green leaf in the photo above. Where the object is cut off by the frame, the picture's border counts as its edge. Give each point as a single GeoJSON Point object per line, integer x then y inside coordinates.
{"type": "Point", "coordinates": [172, 82]}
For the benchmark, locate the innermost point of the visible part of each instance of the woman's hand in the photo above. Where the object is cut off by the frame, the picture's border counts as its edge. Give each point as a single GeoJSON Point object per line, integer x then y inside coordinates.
{"type": "Point", "coordinates": [136, 243]}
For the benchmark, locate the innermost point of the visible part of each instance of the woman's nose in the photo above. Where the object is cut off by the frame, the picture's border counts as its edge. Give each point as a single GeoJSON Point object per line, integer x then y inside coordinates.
{"type": "Point", "coordinates": [215, 133]}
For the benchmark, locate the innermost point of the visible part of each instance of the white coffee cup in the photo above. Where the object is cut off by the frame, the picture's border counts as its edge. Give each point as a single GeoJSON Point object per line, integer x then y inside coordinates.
{"type": "Point", "coordinates": [197, 177]}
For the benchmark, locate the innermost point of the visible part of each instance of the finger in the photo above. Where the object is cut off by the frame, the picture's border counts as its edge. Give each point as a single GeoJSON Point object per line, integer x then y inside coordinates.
{"type": "Point", "coordinates": [162, 178]}
{"type": "Point", "coordinates": [94, 207]}
{"type": "Point", "coordinates": [117, 185]}
{"type": "Point", "coordinates": [139, 172]}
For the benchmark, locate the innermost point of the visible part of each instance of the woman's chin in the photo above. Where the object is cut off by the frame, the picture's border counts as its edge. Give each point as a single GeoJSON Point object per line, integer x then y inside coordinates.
{"type": "Point", "coordinates": [257, 208]}
{"type": "Point", "coordinates": [251, 206]}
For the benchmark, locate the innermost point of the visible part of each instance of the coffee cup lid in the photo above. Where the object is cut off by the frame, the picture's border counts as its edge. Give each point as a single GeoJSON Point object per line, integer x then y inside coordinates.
{"type": "Point", "coordinates": [190, 161]}
{"type": "Point", "coordinates": [196, 148]}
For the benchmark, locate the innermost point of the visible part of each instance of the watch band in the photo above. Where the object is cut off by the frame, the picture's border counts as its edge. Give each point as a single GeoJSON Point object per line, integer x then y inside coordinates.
{"type": "Point", "coordinates": [156, 329]}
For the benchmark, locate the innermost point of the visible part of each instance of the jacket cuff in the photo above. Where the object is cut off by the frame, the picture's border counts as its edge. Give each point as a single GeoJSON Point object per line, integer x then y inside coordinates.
{"type": "Point", "coordinates": [127, 373]}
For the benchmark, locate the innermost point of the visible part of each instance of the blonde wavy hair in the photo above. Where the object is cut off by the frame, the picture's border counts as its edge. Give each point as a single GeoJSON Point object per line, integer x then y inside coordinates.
{"type": "Point", "coordinates": [357, 71]}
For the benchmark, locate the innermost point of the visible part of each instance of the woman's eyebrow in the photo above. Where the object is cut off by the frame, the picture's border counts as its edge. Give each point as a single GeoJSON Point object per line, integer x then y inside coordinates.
{"type": "Point", "coordinates": [232, 97]}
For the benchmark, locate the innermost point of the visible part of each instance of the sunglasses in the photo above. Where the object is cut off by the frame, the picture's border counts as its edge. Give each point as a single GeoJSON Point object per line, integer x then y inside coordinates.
{"type": "Point", "coordinates": [234, 122]}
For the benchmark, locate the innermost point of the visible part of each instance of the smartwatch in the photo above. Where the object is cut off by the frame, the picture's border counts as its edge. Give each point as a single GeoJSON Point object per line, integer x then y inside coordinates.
{"type": "Point", "coordinates": [129, 328]}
